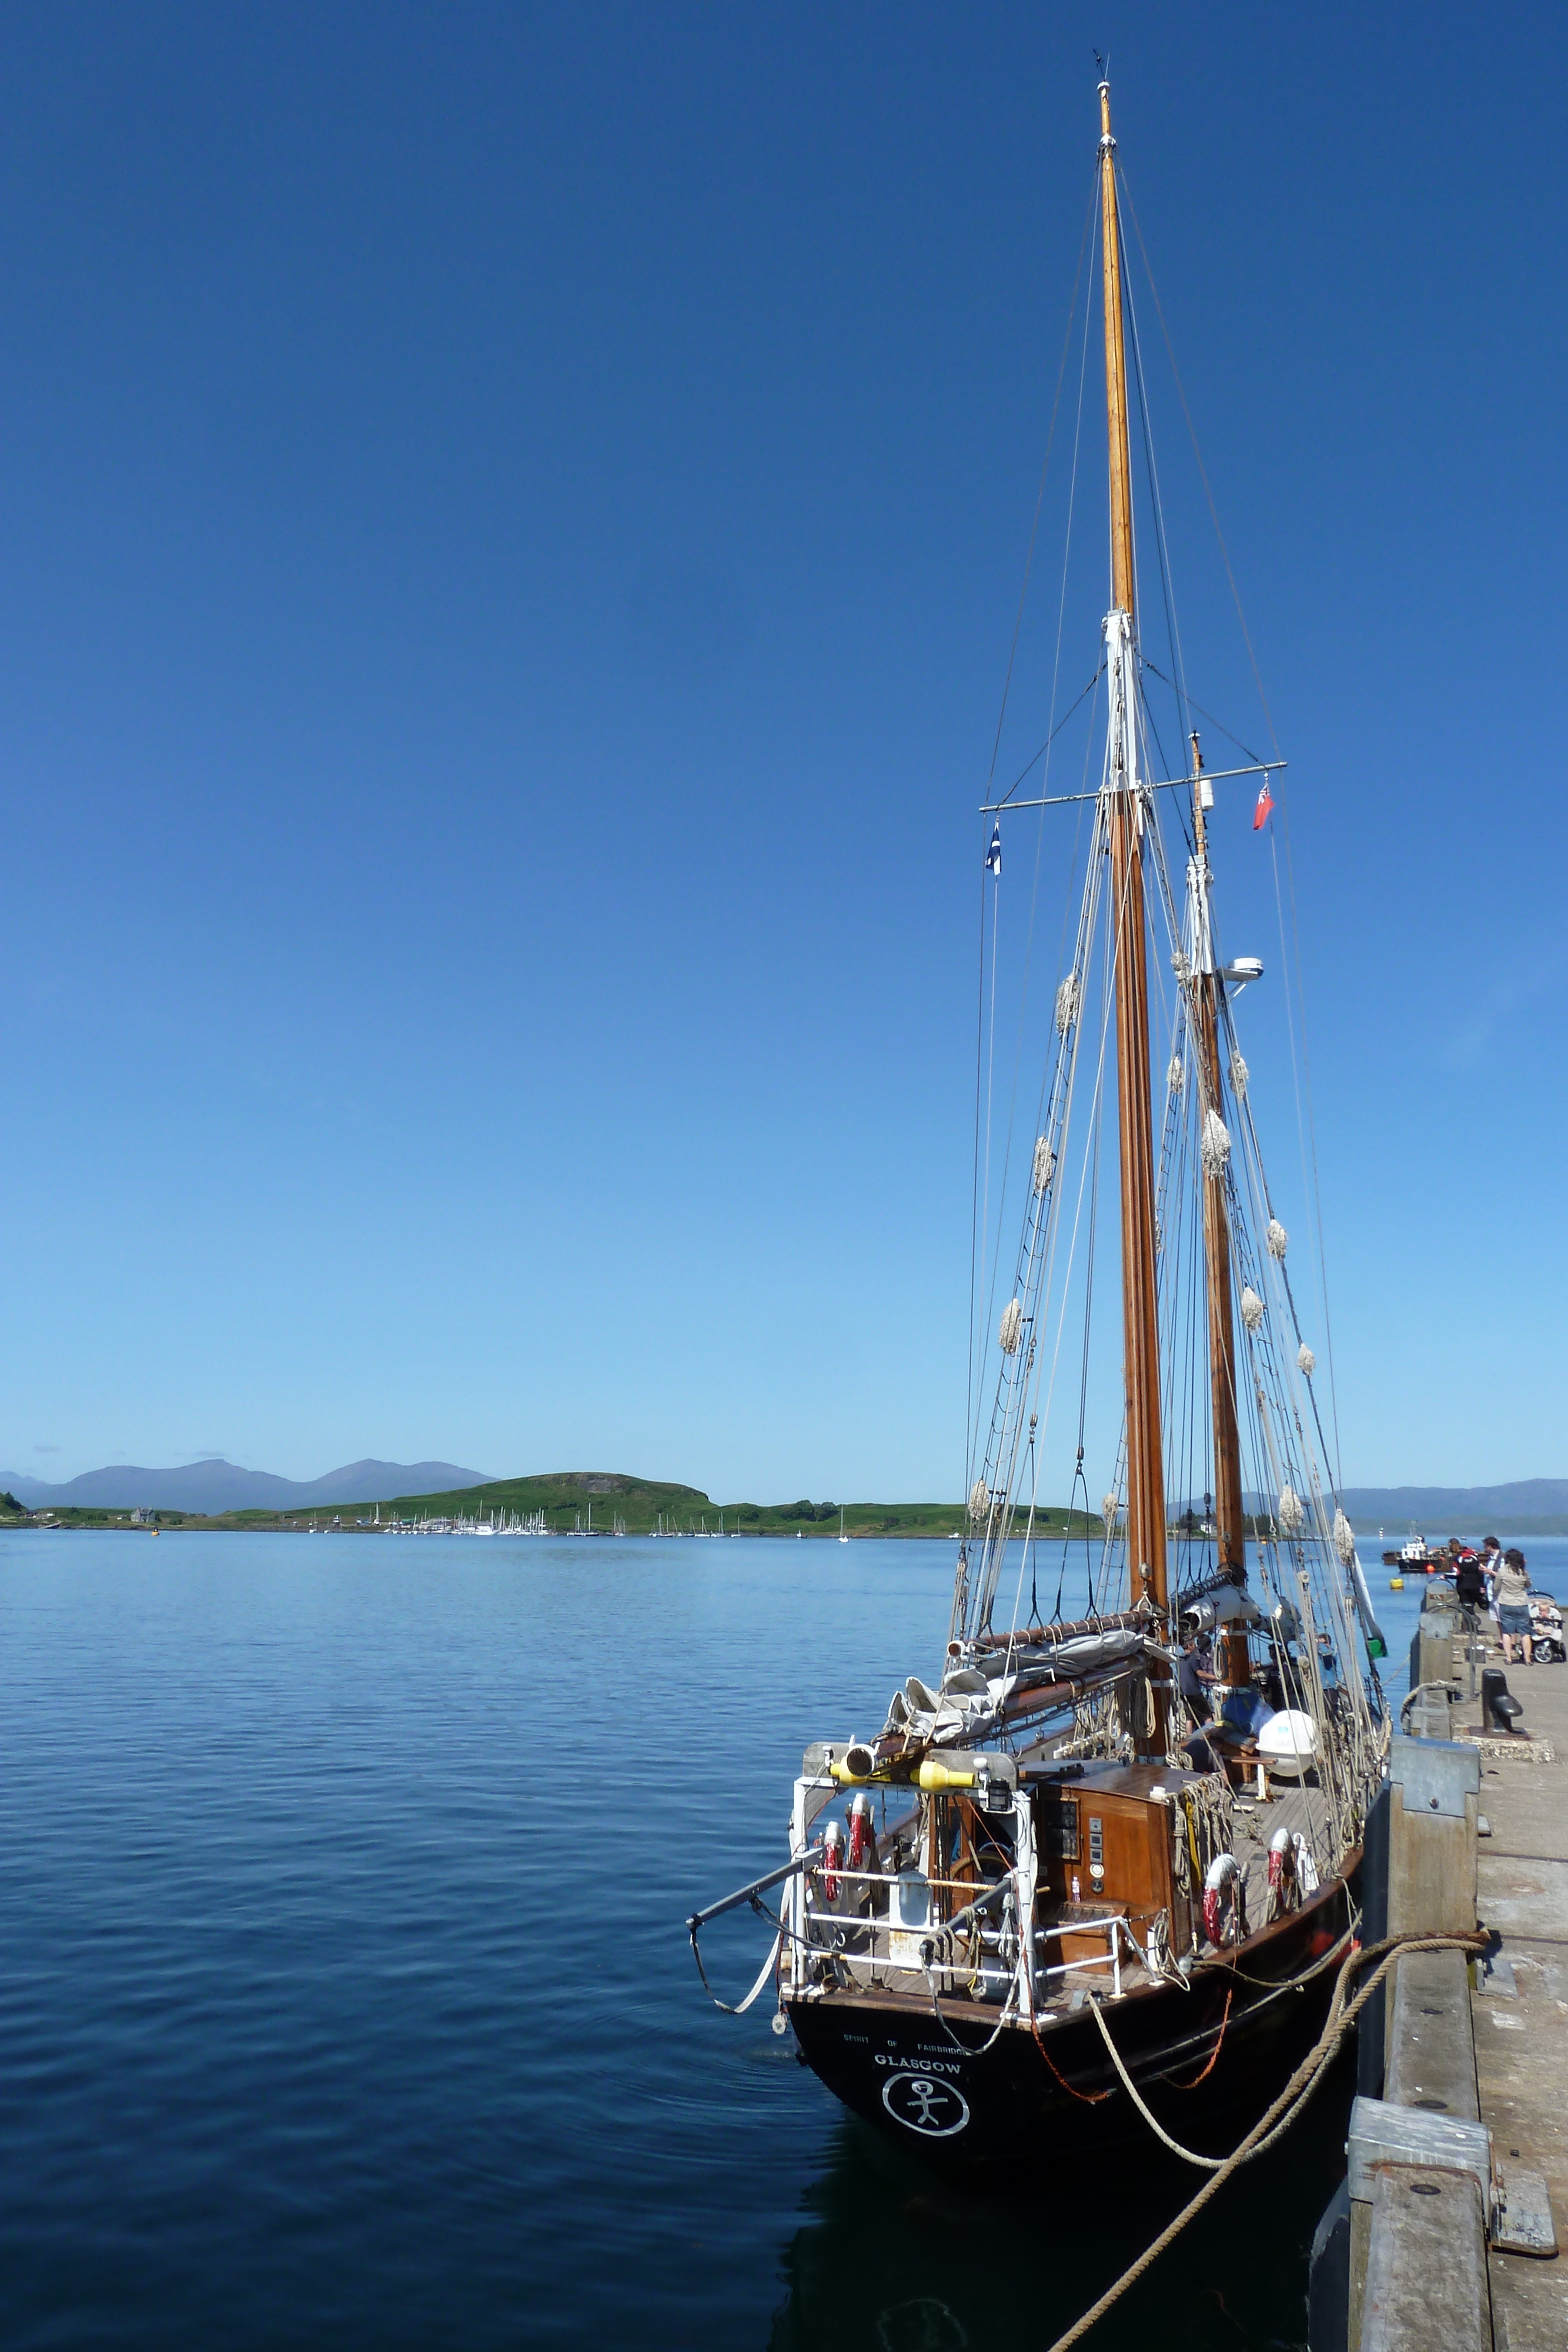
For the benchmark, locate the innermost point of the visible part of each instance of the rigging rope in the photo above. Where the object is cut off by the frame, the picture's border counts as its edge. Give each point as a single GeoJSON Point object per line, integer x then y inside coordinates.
{"type": "Point", "coordinates": [971, 1430]}
{"type": "Point", "coordinates": [768, 1964]}
{"type": "Point", "coordinates": [1039, 495]}
{"type": "Point", "coordinates": [1002, 805]}
{"type": "Point", "coordinates": [970, 1424]}
{"type": "Point", "coordinates": [1274, 739]}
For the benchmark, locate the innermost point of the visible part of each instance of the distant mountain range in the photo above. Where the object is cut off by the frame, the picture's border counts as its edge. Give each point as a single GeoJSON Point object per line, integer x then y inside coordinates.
{"type": "Point", "coordinates": [1527, 1507]}
{"type": "Point", "coordinates": [217, 1486]}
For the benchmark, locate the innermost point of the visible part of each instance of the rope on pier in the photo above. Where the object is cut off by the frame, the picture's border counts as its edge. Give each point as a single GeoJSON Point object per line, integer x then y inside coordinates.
{"type": "Point", "coordinates": [1278, 2117]}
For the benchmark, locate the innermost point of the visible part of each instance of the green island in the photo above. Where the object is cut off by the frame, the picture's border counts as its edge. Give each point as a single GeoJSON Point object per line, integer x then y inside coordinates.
{"type": "Point", "coordinates": [571, 1502]}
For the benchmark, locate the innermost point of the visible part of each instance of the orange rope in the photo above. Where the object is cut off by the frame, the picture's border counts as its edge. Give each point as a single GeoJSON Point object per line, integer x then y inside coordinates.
{"type": "Point", "coordinates": [1230, 1997]}
{"type": "Point", "coordinates": [1086, 2098]}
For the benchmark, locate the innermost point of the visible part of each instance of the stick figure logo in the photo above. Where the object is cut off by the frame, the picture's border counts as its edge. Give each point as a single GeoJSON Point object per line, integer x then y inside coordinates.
{"type": "Point", "coordinates": [923, 2102]}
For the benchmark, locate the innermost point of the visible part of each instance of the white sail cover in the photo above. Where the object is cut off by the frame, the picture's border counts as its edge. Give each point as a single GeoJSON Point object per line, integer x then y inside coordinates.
{"type": "Point", "coordinates": [970, 1700]}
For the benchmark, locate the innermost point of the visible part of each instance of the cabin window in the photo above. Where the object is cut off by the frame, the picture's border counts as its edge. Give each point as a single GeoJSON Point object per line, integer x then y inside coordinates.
{"type": "Point", "coordinates": [1056, 1827]}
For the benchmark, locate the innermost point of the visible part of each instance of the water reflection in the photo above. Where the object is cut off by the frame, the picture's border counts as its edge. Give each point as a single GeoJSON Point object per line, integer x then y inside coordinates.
{"type": "Point", "coordinates": [894, 2257]}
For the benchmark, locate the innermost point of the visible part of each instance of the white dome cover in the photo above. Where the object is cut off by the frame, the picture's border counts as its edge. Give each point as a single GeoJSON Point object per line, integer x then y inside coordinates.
{"type": "Point", "coordinates": [1287, 1742]}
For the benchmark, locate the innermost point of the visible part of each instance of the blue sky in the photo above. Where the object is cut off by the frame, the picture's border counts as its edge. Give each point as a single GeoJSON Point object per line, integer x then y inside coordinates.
{"type": "Point", "coordinates": [510, 525]}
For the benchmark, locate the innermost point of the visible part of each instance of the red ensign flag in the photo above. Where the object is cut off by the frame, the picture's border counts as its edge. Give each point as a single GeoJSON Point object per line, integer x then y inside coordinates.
{"type": "Point", "coordinates": [1265, 802]}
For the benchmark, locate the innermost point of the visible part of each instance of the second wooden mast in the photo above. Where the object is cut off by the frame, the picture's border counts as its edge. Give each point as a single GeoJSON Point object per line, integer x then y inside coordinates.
{"type": "Point", "coordinates": [1145, 1468]}
{"type": "Point", "coordinates": [1229, 1521]}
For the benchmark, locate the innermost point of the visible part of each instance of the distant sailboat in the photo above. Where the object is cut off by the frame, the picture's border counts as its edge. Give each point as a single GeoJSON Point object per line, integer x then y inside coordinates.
{"type": "Point", "coordinates": [842, 1537]}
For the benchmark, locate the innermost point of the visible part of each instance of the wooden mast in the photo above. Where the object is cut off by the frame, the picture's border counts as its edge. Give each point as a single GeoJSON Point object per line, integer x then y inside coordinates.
{"type": "Point", "coordinates": [1145, 1469]}
{"type": "Point", "coordinates": [1231, 1533]}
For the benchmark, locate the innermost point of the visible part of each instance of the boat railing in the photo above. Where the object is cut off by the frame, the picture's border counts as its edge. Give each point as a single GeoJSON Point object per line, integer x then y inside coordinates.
{"type": "Point", "coordinates": [1115, 1930]}
{"type": "Point", "coordinates": [821, 1921]}
{"type": "Point", "coordinates": [969, 1886]}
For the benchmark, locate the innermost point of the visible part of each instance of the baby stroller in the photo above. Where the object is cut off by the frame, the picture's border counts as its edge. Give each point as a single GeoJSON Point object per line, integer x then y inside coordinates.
{"type": "Point", "coordinates": [1546, 1629]}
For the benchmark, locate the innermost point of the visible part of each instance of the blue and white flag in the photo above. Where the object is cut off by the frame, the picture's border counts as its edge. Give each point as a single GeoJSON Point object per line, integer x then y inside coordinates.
{"type": "Point", "coordinates": [994, 854]}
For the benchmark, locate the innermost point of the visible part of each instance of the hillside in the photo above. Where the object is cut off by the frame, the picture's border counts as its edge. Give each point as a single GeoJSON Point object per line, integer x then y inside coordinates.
{"type": "Point", "coordinates": [584, 1501]}
{"type": "Point", "coordinates": [563, 1495]}
{"type": "Point", "coordinates": [1527, 1506]}
{"type": "Point", "coordinates": [645, 1505]}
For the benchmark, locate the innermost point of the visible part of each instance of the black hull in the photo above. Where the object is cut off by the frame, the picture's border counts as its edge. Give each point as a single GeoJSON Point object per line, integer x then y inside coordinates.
{"type": "Point", "coordinates": [1056, 2101]}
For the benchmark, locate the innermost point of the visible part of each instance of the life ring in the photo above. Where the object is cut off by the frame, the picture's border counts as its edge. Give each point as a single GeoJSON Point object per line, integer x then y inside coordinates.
{"type": "Point", "coordinates": [862, 1843]}
{"type": "Point", "coordinates": [833, 1861]}
{"type": "Point", "coordinates": [1292, 1873]}
{"type": "Point", "coordinates": [1284, 1880]}
{"type": "Point", "coordinates": [1225, 1902]}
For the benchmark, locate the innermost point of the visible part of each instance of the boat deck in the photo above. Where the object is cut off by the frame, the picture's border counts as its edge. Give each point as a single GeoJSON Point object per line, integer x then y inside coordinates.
{"type": "Point", "coordinates": [864, 1958]}
{"type": "Point", "coordinates": [1288, 1806]}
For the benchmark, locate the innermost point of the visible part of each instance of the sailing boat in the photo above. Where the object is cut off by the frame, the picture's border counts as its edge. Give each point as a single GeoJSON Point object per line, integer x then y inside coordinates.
{"type": "Point", "coordinates": [842, 1537]}
{"type": "Point", "coordinates": [1089, 1888]}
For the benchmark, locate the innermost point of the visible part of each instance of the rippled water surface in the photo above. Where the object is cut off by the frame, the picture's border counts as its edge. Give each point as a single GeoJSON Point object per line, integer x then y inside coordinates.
{"type": "Point", "coordinates": [345, 1998]}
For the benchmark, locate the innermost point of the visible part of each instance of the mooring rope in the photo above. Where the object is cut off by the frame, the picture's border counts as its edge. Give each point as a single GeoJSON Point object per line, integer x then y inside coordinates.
{"type": "Point", "coordinates": [1276, 2118]}
{"type": "Point", "coordinates": [1187, 2156]}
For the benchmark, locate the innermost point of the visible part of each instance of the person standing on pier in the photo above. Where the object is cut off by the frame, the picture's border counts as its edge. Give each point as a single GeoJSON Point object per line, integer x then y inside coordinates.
{"type": "Point", "coordinates": [1470, 1590]}
{"type": "Point", "coordinates": [1513, 1606]}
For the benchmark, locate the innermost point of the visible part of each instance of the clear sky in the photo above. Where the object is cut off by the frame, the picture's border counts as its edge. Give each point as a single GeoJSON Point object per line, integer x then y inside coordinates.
{"type": "Point", "coordinates": [510, 525]}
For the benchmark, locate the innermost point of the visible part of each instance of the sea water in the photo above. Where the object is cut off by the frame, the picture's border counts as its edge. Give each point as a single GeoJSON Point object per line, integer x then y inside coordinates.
{"type": "Point", "coordinates": [345, 1997]}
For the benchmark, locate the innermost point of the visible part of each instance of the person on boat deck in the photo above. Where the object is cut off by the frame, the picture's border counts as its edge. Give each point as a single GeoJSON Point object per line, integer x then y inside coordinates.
{"type": "Point", "coordinates": [1192, 1675]}
{"type": "Point", "coordinates": [1514, 1607]}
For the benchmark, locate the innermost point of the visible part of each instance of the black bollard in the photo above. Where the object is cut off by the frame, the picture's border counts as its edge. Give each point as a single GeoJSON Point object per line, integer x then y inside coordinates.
{"type": "Point", "coordinates": [1500, 1711]}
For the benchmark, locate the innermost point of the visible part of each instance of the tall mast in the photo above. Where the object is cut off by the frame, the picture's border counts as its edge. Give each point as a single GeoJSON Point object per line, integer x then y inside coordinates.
{"type": "Point", "coordinates": [1229, 1526]}
{"type": "Point", "coordinates": [1145, 1470]}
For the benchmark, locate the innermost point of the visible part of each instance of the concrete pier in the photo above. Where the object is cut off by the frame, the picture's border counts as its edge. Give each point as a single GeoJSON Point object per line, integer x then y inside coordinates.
{"type": "Point", "coordinates": [1521, 2002]}
{"type": "Point", "coordinates": [1445, 2230]}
